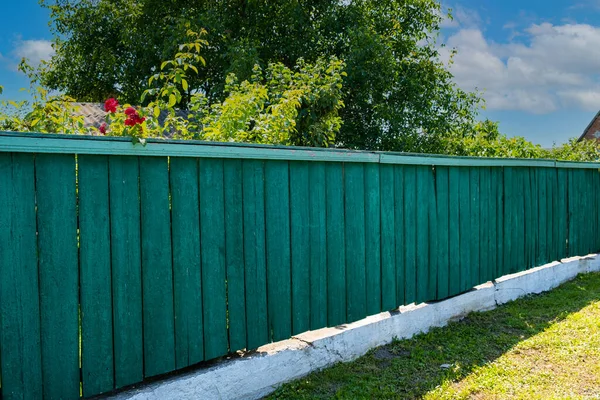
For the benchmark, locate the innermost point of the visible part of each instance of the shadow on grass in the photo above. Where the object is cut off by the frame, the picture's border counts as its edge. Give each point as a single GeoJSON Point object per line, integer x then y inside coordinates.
{"type": "Point", "coordinates": [412, 368]}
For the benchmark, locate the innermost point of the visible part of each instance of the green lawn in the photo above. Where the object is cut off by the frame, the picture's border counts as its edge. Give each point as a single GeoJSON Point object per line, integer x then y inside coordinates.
{"type": "Point", "coordinates": [539, 347]}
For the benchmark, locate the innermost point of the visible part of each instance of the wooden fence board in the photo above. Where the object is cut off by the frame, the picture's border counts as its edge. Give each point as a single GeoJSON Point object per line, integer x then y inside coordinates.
{"type": "Point", "coordinates": [157, 268]}
{"type": "Point", "coordinates": [389, 280]}
{"type": "Point", "coordinates": [126, 259]}
{"type": "Point", "coordinates": [212, 237]}
{"type": "Point", "coordinates": [254, 253]}
{"type": "Point", "coordinates": [318, 246]}
{"type": "Point", "coordinates": [299, 209]}
{"type": "Point", "coordinates": [336, 247]}
{"type": "Point", "coordinates": [355, 242]}
{"type": "Point", "coordinates": [20, 340]}
{"type": "Point", "coordinates": [95, 279]}
{"type": "Point", "coordinates": [373, 238]}
{"type": "Point", "coordinates": [277, 213]}
{"type": "Point", "coordinates": [58, 274]}
{"type": "Point", "coordinates": [187, 266]}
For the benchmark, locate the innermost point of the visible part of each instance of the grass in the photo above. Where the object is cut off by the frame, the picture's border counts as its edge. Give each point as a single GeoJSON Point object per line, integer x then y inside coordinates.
{"type": "Point", "coordinates": [539, 347]}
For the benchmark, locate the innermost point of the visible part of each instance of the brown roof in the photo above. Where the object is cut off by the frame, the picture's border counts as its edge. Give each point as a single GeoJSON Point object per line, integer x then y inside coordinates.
{"type": "Point", "coordinates": [94, 114]}
{"type": "Point", "coordinates": [592, 131]}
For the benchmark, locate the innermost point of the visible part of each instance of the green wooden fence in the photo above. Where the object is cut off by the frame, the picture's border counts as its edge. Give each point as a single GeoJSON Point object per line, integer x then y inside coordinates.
{"type": "Point", "coordinates": [122, 262]}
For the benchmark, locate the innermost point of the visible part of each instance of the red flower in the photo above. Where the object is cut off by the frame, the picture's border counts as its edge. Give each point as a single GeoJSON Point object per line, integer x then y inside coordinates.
{"type": "Point", "coordinates": [111, 105]}
{"type": "Point", "coordinates": [133, 118]}
{"type": "Point", "coordinates": [130, 112]}
{"type": "Point", "coordinates": [103, 128]}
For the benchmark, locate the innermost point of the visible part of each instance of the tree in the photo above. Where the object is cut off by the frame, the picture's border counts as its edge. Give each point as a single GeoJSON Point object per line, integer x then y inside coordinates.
{"type": "Point", "coordinates": [398, 95]}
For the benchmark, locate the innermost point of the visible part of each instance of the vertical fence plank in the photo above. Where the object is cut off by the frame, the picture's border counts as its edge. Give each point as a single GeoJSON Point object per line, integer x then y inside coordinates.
{"type": "Point", "coordinates": [475, 245]}
{"type": "Point", "coordinates": [454, 262]}
{"type": "Point", "coordinates": [318, 246]}
{"type": "Point", "coordinates": [534, 233]}
{"type": "Point", "coordinates": [493, 224]}
{"type": "Point", "coordinates": [542, 213]}
{"type": "Point", "coordinates": [96, 296]}
{"type": "Point", "coordinates": [355, 241]}
{"type": "Point", "coordinates": [299, 190]}
{"type": "Point", "coordinates": [187, 279]}
{"type": "Point", "coordinates": [389, 280]}
{"type": "Point", "coordinates": [485, 208]}
{"type": "Point", "coordinates": [336, 247]}
{"type": "Point", "coordinates": [399, 235]}
{"type": "Point", "coordinates": [20, 346]}
{"type": "Point", "coordinates": [531, 199]}
{"type": "Point", "coordinates": [408, 246]}
{"type": "Point", "coordinates": [157, 269]}
{"type": "Point", "coordinates": [125, 242]}
{"type": "Point", "coordinates": [254, 252]}
{"type": "Point", "coordinates": [373, 238]}
{"type": "Point", "coordinates": [423, 239]}
{"type": "Point", "coordinates": [433, 237]}
{"type": "Point", "coordinates": [234, 254]}
{"type": "Point", "coordinates": [561, 208]}
{"type": "Point", "coordinates": [442, 231]}
{"type": "Point", "coordinates": [58, 274]}
{"type": "Point", "coordinates": [277, 206]}
{"type": "Point", "coordinates": [465, 229]}
{"type": "Point", "coordinates": [212, 236]}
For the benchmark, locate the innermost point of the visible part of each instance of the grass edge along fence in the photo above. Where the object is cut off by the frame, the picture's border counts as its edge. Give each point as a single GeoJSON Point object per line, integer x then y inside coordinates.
{"type": "Point", "coordinates": [158, 257]}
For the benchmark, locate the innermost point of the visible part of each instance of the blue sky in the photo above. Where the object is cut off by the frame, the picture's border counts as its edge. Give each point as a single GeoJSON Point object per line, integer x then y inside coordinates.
{"type": "Point", "coordinates": [537, 62]}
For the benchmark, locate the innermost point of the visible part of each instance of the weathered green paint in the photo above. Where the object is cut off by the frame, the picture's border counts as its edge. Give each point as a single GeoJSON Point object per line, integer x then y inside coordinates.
{"type": "Point", "coordinates": [277, 206]}
{"type": "Point", "coordinates": [317, 222]}
{"type": "Point", "coordinates": [406, 219]}
{"type": "Point", "coordinates": [336, 248]}
{"type": "Point", "coordinates": [355, 242]}
{"type": "Point", "coordinates": [388, 239]}
{"type": "Point", "coordinates": [58, 274]}
{"type": "Point", "coordinates": [214, 278]}
{"type": "Point", "coordinates": [188, 251]}
{"type": "Point", "coordinates": [465, 229]}
{"type": "Point", "coordinates": [423, 207]}
{"type": "Point", "coordinates": [254, 253]}
{"type": "Point", "coordinates": [443, 229]}
{"type": "Point", "coordinates": [234, 249]}
{"type": "Point", "coordinates": [187, 279]}
{"type": "Point", "coordinates": [126, 258]}
{"type": "Point", "coordinates": [373, 238]}
{"type": "Point", "coordinates": [474, 234]}
{"type": "Point", "coordinates": [20, 340]}
{"type": "Point", "coordinates": [454, 178]}
{"type": "Point", "coordinates": [157, 269]}
{"type": "Point", "coordinates": [300, 248]}
{"type": "Point", "coordinates": [95, 278]}
{"type": "Point", "coordinates": [399, 234]}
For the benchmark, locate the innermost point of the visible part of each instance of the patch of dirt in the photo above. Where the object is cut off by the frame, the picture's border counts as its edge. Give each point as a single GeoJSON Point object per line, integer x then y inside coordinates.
{"type": "Point", "coordinates": [383, 353]}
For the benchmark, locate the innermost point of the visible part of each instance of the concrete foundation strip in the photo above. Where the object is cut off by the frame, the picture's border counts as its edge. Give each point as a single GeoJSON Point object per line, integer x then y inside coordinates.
{"type": "Point", "coordinates": [259, 374]}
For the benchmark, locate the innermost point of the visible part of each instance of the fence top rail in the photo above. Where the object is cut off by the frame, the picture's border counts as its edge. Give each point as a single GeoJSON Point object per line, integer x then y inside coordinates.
{"type": "Point", "coordinates": [101, 145]}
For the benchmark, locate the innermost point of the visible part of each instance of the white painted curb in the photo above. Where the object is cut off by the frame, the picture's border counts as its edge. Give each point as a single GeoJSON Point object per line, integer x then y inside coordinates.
{"type": "Point", "coordinates": [259, 374]}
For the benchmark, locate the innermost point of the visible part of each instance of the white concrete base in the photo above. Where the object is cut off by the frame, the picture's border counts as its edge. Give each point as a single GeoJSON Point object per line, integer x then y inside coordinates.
{"type": "Point", "coordinates": [259, 374]}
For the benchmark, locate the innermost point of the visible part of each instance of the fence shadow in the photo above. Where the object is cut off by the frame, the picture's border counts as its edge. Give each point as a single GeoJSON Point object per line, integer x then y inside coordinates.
{"type": "Point", "coordinates": [412, 368]}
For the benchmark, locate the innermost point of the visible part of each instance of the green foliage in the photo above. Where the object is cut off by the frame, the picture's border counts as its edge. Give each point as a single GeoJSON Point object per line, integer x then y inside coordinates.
{"type": "Point", "coordinates": [398, 95]}
{"type": "Point", "coordinates": [281, 106]}
{"type": "Point", "coordinates": [45, 113]}
{"type": "Point", "coordinates": [485, 140]}
{"type": "Point", "coordinates": [573, 150]}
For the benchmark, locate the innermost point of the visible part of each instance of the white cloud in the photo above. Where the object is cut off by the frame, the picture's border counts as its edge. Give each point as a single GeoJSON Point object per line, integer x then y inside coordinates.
{"type": "Point", "coordinates": [461, 17]}
{"type": "Point", "coordinates": [556, 67]}
{"type": "Point", "coordinates": [34, 50]}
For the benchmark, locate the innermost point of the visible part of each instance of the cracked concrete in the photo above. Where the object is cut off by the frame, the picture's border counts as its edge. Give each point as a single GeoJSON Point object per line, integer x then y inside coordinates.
{"type": "Point", "coordinates": [260, 373]}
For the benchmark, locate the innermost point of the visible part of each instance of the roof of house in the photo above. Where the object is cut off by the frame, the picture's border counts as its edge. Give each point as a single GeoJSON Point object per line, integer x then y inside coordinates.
{"type": "Point", "coordinates": [94, 114]}
{"type": "Point", "coordinates": [592, 131]}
